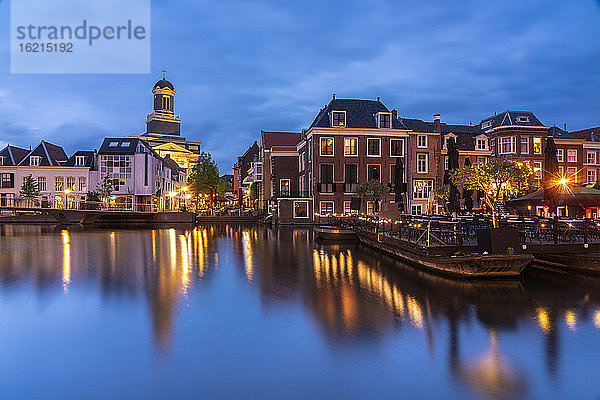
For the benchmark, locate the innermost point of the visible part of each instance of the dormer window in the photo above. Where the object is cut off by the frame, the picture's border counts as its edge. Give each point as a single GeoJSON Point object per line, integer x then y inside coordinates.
{"type": "Point", "coordinates": [481, 144]}
{"type": "Point", "coordinates": [338, 119]}
{"type": "Point", "coordinates": [34, 161]}
{"type": "Point", "coordinates": [113, 144]}
{"type": "Point", "coordinates": [522, 118]}
{"type": "Point", "coordinates": [1, 160]}
{"type": "Point", "coordinates": [486, 124]}
{"type": "Point", "coordinates": [384, 120]}
{"type": "Point", "coordinates": [79, 161]}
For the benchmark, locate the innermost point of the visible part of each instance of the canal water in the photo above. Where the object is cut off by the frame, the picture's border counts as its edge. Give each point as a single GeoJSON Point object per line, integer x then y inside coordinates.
{"type": "Point", "coordinates": [253, 313]}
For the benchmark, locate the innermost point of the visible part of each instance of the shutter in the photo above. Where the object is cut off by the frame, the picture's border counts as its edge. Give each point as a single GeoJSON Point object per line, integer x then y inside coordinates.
{"type": "Point", "coordinates": [12, 180]}
{"type": "Point", "coordinates": [319, 187]}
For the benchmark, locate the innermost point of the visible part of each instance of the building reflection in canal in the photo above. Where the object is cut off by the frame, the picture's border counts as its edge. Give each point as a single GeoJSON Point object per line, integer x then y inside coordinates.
{"type": "Point", "coordinates": [352, 292]}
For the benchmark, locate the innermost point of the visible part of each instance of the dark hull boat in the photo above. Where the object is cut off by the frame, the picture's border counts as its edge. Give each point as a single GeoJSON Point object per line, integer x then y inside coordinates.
{"type": "Point", "coordinates": [334, 233]}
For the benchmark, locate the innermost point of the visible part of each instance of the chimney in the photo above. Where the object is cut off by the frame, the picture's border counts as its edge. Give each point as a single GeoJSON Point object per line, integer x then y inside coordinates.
{"type": "Point", "coordinates": [437, 123]}
{"type": "Point", "coordinates": [334, 96]}
{"type": "Point", "coordinates": [377, 98]}
{"type": "Point", "coordinates": [565, 127]}
{"type": "Point", "coordinates": [395, 113]}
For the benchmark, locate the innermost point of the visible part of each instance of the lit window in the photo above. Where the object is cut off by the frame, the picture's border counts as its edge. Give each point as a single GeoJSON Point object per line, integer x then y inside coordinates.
{"type": "Point", "coordinates": [82, 184]}
{"type": "Point", "coordinates": [70, 183]}
{"type": "Point", "coordinates": [561, 171]}
{"type": "Point", "coordinates": [284, 187]}
{"type": "Point", "coordinates": [338, 119]}
{"type": "Point", "coordinates": [385, 120]}
{"type": "Point", "coordinates": [300, 209]}
{"type": "Point", "coordinates": [326, 207]}
{"type": "Point", "coordinates": [59, 184]}
{"type": "Point", "coordinates": [537, 145]}
{"type": "Point", "coordinates": [422, 141]}
{"type": "Point", "coordinates": [571, 155]}
{"type": "Point", "coordinates": [326, 146]}
{"type": "Point", "coordinates": [422, 188]}
{"type": "Point", "coordinates": [347, 207]}
{"type": "Point", "coordinates": [537, 170]}
{"type": "Point", "coordinates": [34, 161]}
{"type": "Point", "coordinates": [560, 155]}
{"type": "Point", "coordinates": [524, 145]}
{"type": "Point", "coordinates": [422, 163]}
{"type": "Point", "coordinates": [1, 160]}
{"type": "Point", "coordinates": [373, 147]}
{"type": "Point", "coordinates": [396, 147]}
{"type": "Point", "coordinates": [350, 146]}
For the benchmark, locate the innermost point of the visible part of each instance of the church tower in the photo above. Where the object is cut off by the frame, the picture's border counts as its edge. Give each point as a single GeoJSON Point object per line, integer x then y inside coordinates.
{"type": "Point", "coordinates": [163, 120]}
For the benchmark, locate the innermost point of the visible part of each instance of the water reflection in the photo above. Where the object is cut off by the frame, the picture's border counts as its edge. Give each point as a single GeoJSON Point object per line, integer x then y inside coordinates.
{"type": "Point", "coordinates": [355, 294]}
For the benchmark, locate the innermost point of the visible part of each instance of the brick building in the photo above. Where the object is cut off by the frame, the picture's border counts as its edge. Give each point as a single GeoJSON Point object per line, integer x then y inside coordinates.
{"type": "Point", "coordinates": [350, 141]}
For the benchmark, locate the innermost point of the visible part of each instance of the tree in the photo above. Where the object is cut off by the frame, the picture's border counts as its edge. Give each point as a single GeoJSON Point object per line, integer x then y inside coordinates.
{"type": "Point", "coordinates": [442, 195]}
{"type": "Point", "coordinates": [104, 187]}
{"type": "Point", "coordinates": [205, 175]}
{"type": "Point", "coordinates": [254, 193]}
{"type": "Point", "coordinates": [496, 179]}
{"type": "Point", "coordinates": [92, 200]}
{"type": "Point", "coordinates": [373, 191]}
{"type": "Point", "coordinates": [29, 189]}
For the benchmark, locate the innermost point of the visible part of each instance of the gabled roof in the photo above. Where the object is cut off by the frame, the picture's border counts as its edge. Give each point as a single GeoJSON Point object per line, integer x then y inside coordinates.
{"type": "Point", "coordinates": [170, 146]}
{"type": "Point", "coordinates": [172, 164]}
{"type": "Point", "coordinates": [418, 125]}
{"type": "Point", "coordinates": [51, 155]}
{"type": "Point", "coordinates": [511, 118]}
{"type": "Point", "coordinates": [590, 134]}
{"type": "Point", "coordinates": [359, 114]}
{"type": "Point", "coordinates": [268, 140]}
{"type": "Point", "coordinates": [13, 155]}
{"type": "Point", "coordinates": [89, 159]}
{"type": "Point", "coordinates": [561, 134]}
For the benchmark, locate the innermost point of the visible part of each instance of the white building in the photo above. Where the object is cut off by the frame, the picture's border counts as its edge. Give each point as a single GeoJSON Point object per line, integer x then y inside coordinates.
{"type": "Point", "coordinates": [62, 181]}
{"type": "Point", "coordinates": [141, 179]}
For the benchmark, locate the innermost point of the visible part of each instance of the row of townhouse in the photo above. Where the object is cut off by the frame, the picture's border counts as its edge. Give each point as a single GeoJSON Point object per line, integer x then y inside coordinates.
{"type": "Point", "coordinates": [350, 141]}
{"type": "Point", "coordinates": [141, 179]}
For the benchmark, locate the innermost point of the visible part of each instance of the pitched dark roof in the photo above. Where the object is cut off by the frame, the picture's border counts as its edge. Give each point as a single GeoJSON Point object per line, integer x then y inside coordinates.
{"type": "Point", "coordinates": [511, 118]}
{"type": "Point", "coordinates": [121, 146]}
{"type": "Point", "coordinates": [13, 155]}
{"type": "Point", "coordinates": [590, 134]}
{"type": "Point", "coordinates": [359, 113]}
{"type": "Point", "coordinates": [89, 159]}
{"type": "Point", "coordinates": [51, 155]}
{"type": "Point", "coordinates": [172, 164]}
{"type": "Point", "coordinates": [271, 139]}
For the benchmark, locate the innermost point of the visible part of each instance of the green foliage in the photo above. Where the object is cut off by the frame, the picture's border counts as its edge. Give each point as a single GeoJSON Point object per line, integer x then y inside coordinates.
{"type": "Point", "coordinates": [442, 195]}
{"type": "Point", "coordinates": [92, 199]}
{"type": "Point", "coordinates": [29, 190]}
{"type": "Point", "coordinates": [104, 187]}
{"type": "Point", "coordinates": [496, 179]}
{"type": "Point", "coordinates": [254, 191]}
{"type": "Point", "coordinates": [205, 175]}
{"type": "Point", "coordinates": [372, 190]}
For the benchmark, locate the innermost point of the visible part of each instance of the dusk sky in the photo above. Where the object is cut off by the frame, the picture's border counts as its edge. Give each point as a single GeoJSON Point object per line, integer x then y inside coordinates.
{"type": "Point", "coordinates": [241, 66]}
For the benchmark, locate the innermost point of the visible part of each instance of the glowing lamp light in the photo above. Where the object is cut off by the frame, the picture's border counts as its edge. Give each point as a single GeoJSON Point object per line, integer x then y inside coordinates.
{"type": "Point", "coordinates": [67, 191]}
{"type": "Point", "coordinates": [185, 188]}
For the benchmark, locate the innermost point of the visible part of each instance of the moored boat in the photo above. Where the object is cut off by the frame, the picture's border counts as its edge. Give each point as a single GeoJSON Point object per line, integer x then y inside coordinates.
{"type": "Point", "coordinates": [327, 232]}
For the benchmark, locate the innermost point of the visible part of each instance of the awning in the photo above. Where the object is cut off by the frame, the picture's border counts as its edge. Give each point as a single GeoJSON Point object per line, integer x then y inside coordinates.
{"type": "Point", "coordinates": [247, 180]}
{"type": "Point", "coordinates": [570, 196]}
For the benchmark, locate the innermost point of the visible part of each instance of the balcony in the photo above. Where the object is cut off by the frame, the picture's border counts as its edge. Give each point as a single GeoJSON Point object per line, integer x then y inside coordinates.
{"type": "Point", "coordinates": [289, 194]}
{"type": "Point", "coordinates": [326, 187]}
{"type": "Point", "coordinates": [350, 187]}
